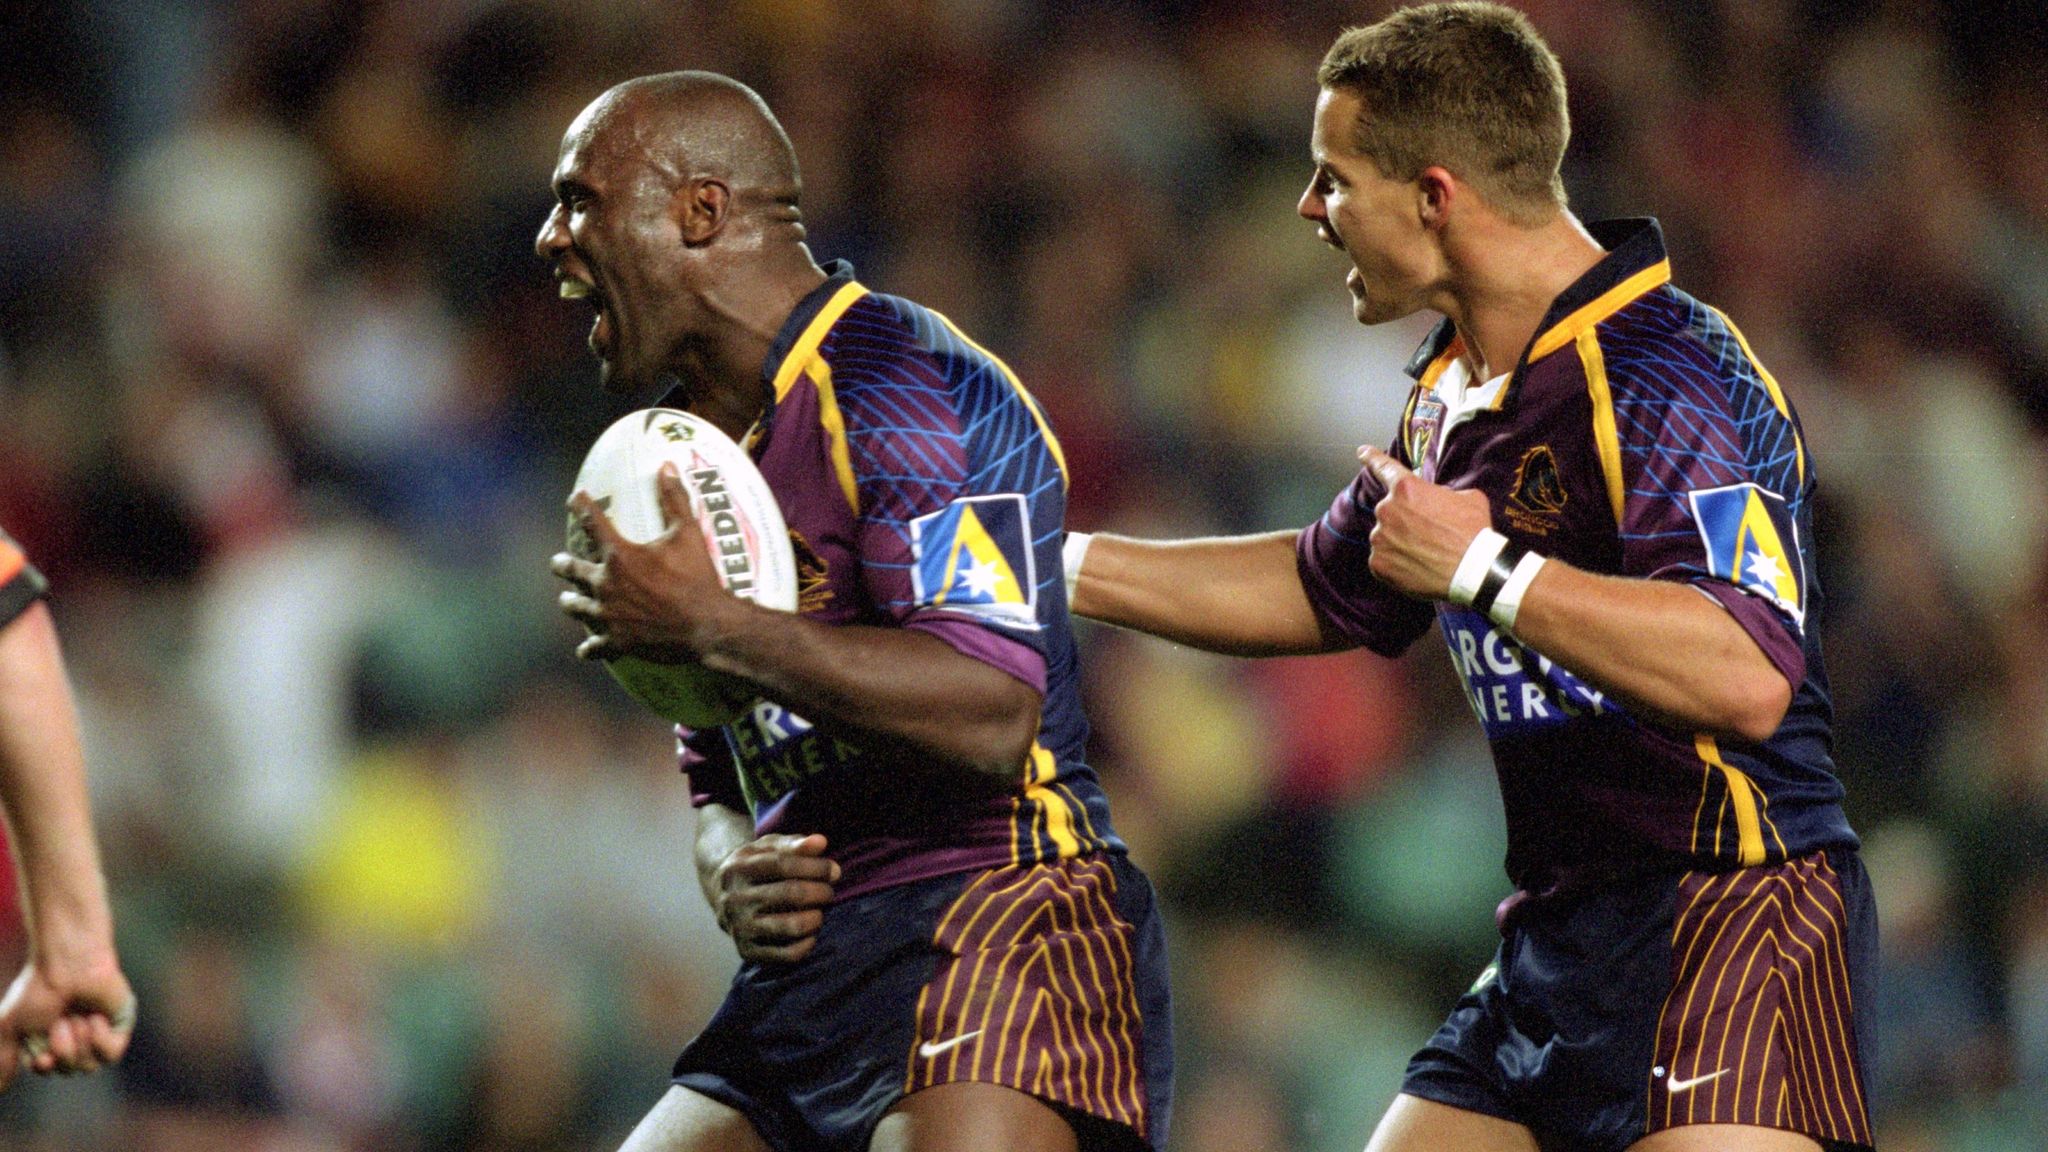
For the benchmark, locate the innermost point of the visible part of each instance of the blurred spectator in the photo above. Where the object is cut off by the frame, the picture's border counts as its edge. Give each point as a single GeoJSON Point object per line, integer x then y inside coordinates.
{"type": "Point", "coordinates": [197, 1076]}
{"type": "Point", "coordinates": [400, 864]}
{"type": "Point", "coordinates": [1928, 1000]}
{"type": "Point", "coordinates": [336, 1062]}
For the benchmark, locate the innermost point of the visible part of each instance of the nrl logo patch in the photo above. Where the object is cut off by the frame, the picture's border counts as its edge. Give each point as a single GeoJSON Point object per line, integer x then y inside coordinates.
{"type": "Point", "coordinates": [1422, 426]}
{"type": "Point", "coordinates": [1538, 497]}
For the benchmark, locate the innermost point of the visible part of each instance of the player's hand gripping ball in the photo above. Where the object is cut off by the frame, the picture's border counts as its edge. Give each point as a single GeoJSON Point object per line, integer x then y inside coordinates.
{"type": "Point", "coordinates": [742, 527]}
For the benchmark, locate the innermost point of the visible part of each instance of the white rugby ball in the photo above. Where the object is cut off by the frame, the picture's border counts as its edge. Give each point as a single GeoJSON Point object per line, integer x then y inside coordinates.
{"type": "Point", "coordinates": [742, 527]}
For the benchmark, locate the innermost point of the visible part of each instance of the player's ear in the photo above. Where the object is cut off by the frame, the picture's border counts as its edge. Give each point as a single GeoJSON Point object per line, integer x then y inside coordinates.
{"type": "Point", "coordinates": [701, 207]}
{"type": "Point", "coordinates": [1435, 189]}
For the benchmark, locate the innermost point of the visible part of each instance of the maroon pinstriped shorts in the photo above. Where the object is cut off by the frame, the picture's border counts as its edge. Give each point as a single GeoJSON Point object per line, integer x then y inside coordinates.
{"type": "Point", "coordinates": [1757, 1028]}
{"type": "Point", "coordinates": [1669, 1000]}
{"type": "Point", "coordinates": [1038, 991]}
{"type": "Point", "coordinates": [1049, 979]}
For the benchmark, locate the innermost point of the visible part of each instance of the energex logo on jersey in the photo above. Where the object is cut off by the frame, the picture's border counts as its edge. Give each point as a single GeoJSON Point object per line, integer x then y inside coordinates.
{"type": "Point", "coordinates": [1513, 690]}
{"type": "Point", "coordinates": [778, 750]}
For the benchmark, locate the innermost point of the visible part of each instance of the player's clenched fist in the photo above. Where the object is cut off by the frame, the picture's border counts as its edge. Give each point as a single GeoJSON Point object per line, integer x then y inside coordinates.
{"type": "Point", "coordinates": [771, 895]}
{"type": "Point", "coordinates": [1421, 530]}
{"type": "Point", "coordinates": [59, 1020]}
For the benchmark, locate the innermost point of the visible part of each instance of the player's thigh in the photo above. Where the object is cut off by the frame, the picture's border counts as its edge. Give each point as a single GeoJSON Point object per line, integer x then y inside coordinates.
{"type": "Point", "coordinates": [1724, 1138]}
{"type": "Point", "coordinates": [686, 1121]}
{"type": "Point", "coordinates": [984, 1117]}
{"type": "Point", "coordinates": [1413, 1124]}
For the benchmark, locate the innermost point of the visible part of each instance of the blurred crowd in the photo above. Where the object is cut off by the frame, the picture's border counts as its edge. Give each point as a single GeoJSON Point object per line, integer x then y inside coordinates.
{"type": "Point", "coordinates": [290, 410]}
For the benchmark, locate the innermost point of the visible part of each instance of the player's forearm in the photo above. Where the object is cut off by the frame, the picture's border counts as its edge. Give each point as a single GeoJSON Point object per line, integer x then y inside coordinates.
{"type": "Point", "coordinates": [42, 785]}
{"type": "Point", "coordinates": [720, 832]}
{"type": "Point", "coordinates": [1659, 645]}
{"type": "Point", "coordinates": [1239, 595]}
{"type": "Point", "coordinates": [884, 686]}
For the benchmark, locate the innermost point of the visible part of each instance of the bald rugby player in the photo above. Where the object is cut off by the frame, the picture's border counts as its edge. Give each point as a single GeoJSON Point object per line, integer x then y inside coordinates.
{"type": "Point", "coordinates": [944, 945]}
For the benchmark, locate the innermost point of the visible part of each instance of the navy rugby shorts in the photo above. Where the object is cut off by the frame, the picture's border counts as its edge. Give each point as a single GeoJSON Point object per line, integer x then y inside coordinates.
{"type": "Point", "coordinates": [1050, 979]}
{"type": "Point", "coordinates": [1660, 1001]}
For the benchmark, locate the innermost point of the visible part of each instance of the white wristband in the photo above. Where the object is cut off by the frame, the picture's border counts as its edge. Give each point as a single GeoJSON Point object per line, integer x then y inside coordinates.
{"type": "Point", "coordinates": [1472, 569]}
{"type": "Point", "coordinates": [1509, 603]}
{"type": "Point", "coordinates": [1071, 554]}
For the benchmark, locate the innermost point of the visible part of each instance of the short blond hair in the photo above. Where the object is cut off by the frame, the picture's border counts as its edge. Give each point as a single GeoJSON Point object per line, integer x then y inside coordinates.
{"type": "Point", "coordinates": [1469, 86]}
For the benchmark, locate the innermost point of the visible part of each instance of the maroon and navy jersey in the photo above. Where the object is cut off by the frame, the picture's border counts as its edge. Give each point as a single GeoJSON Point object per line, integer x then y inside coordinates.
{"type": "Point", "coordinates": [1638, 437]}
{"type": "Point", "coordinates": [923, 489]}
{"type": "Point", "coordinates": [20, 584]}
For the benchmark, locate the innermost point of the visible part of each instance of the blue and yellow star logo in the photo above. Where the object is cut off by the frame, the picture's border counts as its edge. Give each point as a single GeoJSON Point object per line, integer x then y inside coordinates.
{"type": "Point", "coordinates": [1753, 543]}
{"type": "Point", "coordinates": [974, 556]}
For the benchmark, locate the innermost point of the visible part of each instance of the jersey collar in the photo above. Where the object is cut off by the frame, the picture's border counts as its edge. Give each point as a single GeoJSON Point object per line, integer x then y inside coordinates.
{"type": "Point", "coordinates": [1635, 264]}
{"type": "Point", "coordinates": [801, 333]}
{"type": "Point", "coordinates": [806, 326]}
{"type": "Point", "coordinates": [797, 341]}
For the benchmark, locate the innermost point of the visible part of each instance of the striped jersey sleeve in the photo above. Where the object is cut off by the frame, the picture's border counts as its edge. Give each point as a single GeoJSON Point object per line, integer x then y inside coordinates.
{"type": "Point", "coordinates": [959, 484]}
{"type": "Point", "coordinates": [1713, 468]}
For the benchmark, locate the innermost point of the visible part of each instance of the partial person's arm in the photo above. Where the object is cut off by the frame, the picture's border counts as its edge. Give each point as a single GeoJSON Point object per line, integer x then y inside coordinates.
{"type": "Point", "coordinates": [769, 893]}
{"type": "Point", "coordinates": [889, 686]}
{"type": "Point", "coordinates": [72, 991]}
{"type": "Point", "coordinates": [1659, 645]}
{"type": "Point", "coordinates": [1239, 595]}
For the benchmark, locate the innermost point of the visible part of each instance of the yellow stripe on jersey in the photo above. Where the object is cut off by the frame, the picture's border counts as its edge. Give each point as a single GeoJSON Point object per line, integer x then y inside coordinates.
{"type": "Point", "coordinates": [1771, 384]}
{"type": "Point", "coordinates": [1606, 304]}
{"type": "Point", "coordinates": [1742, 794]}
{"type": "Point", "coordinates": [1039, 789]}
{"type": "Point", "coordinates": [1606, 437]}
{"type": "Point", "coordinates": [805, 349]}
{"type": "Point", "coordinates": [1435, 371]}
{"type": "Point", "coordinates": [1091, 838]}
{"type": "Point", "coordinates": [1030, 402]}
{"type": "Point", "coordinates": [834, 424]}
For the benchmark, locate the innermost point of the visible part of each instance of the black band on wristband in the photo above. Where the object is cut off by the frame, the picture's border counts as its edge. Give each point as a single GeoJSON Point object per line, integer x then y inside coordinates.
{"type": "Point", "coordinates": [1497, 574]}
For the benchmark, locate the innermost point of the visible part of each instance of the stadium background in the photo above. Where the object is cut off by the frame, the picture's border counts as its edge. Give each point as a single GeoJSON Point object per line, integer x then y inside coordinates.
{"type": "Point", "coordinates": [290, 410]}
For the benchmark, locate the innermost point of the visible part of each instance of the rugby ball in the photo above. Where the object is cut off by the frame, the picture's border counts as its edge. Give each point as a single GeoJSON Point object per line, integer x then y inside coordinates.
{"type": "Point", "coordinates": [742, 528]}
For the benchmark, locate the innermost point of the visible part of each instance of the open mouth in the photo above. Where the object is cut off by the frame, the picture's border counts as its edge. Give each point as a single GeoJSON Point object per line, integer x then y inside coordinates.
{"type": "Point", "coordinates": [601, 328]}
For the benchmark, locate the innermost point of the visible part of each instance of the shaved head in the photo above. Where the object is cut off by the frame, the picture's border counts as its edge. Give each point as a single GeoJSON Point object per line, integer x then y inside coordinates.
{"type": "Point", "coordinates": [686, 126]}
{"type": "Point", "coordinates": [676, 219]}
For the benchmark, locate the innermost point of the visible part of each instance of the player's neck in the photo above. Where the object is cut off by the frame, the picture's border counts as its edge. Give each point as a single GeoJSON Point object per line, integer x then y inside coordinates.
{"type": "Point", "coordinates": [725, 366]}
{"type": "Point", "coordinates": [1509, 277]}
